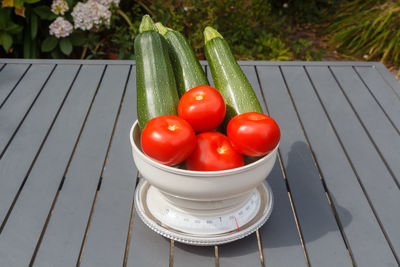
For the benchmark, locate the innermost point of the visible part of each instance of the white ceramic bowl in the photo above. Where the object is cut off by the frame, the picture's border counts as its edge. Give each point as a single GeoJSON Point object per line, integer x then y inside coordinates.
{"type": "Point", "coordinates": [200, 185]}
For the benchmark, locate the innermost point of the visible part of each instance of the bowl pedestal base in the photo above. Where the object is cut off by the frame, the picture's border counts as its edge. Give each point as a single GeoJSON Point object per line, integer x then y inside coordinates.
{"type": "Point", "coordinates": [203, 222]}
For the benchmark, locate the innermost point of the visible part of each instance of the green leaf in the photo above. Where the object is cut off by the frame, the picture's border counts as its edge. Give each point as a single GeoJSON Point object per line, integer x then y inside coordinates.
{"type": "Point", "coordinates": [13, 28]}
{"type": "Point", "coordinates": [44, 12]}
{"type": "Point", "coordinates": [5, 17]}
{"type": "Point", "coordinates": [27, 44]}
{"type": "Point", "coordinates": [34, 25]}
{"type": "Point", "coordinates": [56, 54]}
{"type": "Point", "coordinates": [49, 44]}
{"type": "Point", "coordinates": [31, 1]}
{"type": "Point", "coordinates": [77, 39]}
{"type": "Point", "coordinates": [6, 41]}
{"type": "Point", "coordinates": [66, 46]}
{"type": "Point", "coordinates": [18, 3]}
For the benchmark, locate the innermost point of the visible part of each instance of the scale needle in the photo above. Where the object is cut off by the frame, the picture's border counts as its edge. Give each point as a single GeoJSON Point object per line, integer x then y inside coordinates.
{"type": "Point", "coordinates": [237, 225]}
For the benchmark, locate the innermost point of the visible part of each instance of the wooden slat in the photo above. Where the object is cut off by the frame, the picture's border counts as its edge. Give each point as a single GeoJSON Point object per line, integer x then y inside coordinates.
{"type": "Point", "coordinates": [282, 222]}
{"type": "Point", "coordinates": [33, 205]}
{"type": "Point", "coordinates": [353, 212]}
{"type": "Point", "coordinates": [243, 252]}
{"type": "Point", "coordinates": [9, 77]}
{"type": "Point", "coordinates": [384, 135]}
{"type": "Point", "coordinates": [147, 248]}
{"type": "Point", "coordinates": [322, 236]}
{"type": "Point", "coordinates": [388, 77]}
{"type": "Point", "coordinates": [185, 255]}
{"type": "Point", "coordinates": [193, 256]}
{"type": "Point", "coordinates": [375, 179]}
{"type": "Point", "coordinates": [64, 234]}
{"type": "Point", "coordinates": [110, 223]}
{"type": "Point", "coordinates": [280, 238]}
{"type": "Point", "coordinates": [209, 76]}
{"type": "Point", "coordinates": [17, 105]}
{"type": "Point", "coordinates": [241, 62]}
{"type": "Point", "coordinates": [250, 72]}
{"type": "Point", "coordinates": [21, 153]}
{"type": "Point", "coordinates": [229, 253]}
{"type": "Point", "coordinates": [382, 92]}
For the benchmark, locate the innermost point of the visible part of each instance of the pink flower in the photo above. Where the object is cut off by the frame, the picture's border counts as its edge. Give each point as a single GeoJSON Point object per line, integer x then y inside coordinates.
{"type": "Point", "coordinates": [60, 28]}
{"type": "Point", "coordinates": [107, 3]}
{"type": "Point", "coordinates": [59, 7]}
{"type": "Point", "coordinates": [90, 15]}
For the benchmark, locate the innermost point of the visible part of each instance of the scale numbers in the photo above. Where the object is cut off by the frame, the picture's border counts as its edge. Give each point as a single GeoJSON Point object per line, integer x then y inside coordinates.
{"type": "Point", "coordinates": [221, 224]}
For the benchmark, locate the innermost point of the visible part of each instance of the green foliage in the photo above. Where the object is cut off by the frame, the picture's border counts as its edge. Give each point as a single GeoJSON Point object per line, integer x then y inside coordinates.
{"type": "Point", "coordinates": [66, 46]}
{"type": "Point", "coordinates": [369, 28]}
{"type": "Point", "coordinates": [246, 25]}
{"type": "Point", "coordinates": [302, 11]}
{"type": "Point", "coordinates": [49, 44]}
{"type": "Point", "coordinates": [253, 31]}
{"type": "Point", "coordinates": [7, 29]}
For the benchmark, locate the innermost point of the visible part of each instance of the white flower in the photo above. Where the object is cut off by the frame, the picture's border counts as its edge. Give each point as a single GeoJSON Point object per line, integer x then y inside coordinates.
{"type": "Point", "coordinates": [59, 7]}
{"type": "Point", "coordinates": [61, 28]}
{"type": "Point", "coordinates": [90, 15]}
{"type": "Point", "coordinates": [285, 5]}
{"type": "Point", "coordinates": [365, 56]}
{"type": "Point", "coordinates": [107, 3]}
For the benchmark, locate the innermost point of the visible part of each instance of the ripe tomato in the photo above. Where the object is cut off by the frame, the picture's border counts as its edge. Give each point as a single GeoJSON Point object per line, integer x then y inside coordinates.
{"type": "Point", "coordinates": [213, 152]}
{"type": "Point", "coordinates": [253, 134]}
{"type": "Point", "coordinates": [168, 139]}
{"type": "Point", "coordinates": [203, 107]}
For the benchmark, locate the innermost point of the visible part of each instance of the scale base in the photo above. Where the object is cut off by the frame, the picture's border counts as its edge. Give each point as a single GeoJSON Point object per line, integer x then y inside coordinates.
{"type": "Point", "coordinates": [203, 226]}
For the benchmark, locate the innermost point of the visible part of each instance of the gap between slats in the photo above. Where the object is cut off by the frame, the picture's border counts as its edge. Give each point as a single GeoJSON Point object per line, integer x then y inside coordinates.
{"type": "Point", "coordinates": [378, 69]}
{"type": "Point", "coordinates": [29, 109]}
{"type": "Point", "coordinates": [65, 173]}
{"type": "Point", "coordinates": [102, 171]}
{"type": "Point", "coordinates": [2, 67]}
{"type": "Point", "coordinates": [41, 145]}
{"type": "Point", "coordinates": [376, 100]}
{"type": "Point", "coordinates": [327, 194]}
{"type": "Point", "coordinates": [130, 227]}
{"type": "Point", "coordinates": [286, 184]}
{"type": "Point", "coordinates": [15, 86]}
{"type": "Point", "coordinates": [363, 126]}
{"type": "Point", "coordinates": [352, 165]}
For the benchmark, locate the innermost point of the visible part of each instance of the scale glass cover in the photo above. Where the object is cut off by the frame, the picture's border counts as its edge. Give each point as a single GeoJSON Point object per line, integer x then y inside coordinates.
{"type": "Point", "coordinates": [203, 228]}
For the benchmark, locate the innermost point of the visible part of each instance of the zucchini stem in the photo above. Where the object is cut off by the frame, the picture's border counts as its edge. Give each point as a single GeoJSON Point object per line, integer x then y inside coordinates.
{"type": "Point", "coordinates": [147, 24]}
{"type": "Point", "coordinates": [210, 33]}
{"type": "Point", "coordinates": [161, 28]}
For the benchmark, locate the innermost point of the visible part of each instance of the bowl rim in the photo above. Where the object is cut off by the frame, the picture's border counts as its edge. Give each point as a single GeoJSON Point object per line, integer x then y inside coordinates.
{"type": "Point", "coordinates": [195, 173]}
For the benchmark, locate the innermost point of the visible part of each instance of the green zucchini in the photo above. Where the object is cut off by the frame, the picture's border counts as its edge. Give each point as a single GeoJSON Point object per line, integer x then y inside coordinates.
{"type": "Point", "coordinates": [155, 83]}
{"type": "Point", "coordinates": [228, 77]}
{"type": "Point", "coordinates": [187, 68]}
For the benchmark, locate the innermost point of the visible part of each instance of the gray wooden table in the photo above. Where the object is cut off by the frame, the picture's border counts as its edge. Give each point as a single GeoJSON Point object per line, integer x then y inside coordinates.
{"type": "Point", "coordinates": [67, 177]}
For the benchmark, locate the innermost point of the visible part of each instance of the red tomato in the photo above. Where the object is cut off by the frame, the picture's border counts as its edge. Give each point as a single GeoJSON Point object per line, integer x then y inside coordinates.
{"type": "Point", "coordinates": [168, 139]}
{"type": "Point", "coordinates": [253, 134]}
{"type": "Point", "coordinates": [213, 152]}
{"type": "Point", "coordinates": [203, 107]}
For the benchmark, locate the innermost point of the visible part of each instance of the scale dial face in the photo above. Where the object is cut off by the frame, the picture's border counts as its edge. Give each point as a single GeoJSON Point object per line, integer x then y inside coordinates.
{"type": "Point", "coordinates": [185, 226]}
{"type": "Point", "coordinates": [188, 222]}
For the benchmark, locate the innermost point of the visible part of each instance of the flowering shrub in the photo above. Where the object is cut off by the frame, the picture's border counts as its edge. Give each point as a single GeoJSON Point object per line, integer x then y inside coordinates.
{"type": "Point", "coordinates": [91, 15]}
{"type": "Point", "coordinates": [59, 28]}
{"type": "Point", "coordinates": [59, 7]}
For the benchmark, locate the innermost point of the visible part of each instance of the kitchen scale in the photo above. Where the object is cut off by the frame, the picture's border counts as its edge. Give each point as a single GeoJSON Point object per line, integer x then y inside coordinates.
{"type": "Point", "coordinates": [206, 223]}
{"type": "Point", "coordinates": [198, 207]}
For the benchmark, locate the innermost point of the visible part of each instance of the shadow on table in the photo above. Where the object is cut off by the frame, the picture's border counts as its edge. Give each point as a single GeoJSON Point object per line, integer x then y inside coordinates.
{"type": "Point", "coordinates": [280, 230]}
{"type": "Point", "coordinates": [244, 246]}
{"type": "Point", "coordinates": [315, 215]}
